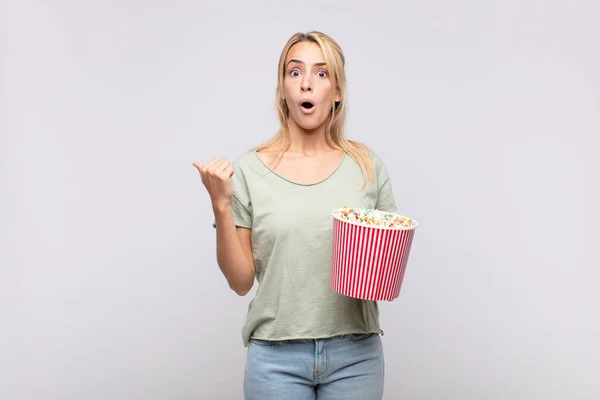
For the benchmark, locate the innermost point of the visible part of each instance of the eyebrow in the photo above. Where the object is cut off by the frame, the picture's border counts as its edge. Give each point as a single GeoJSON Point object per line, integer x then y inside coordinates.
{"type": "Point", "coordinates": [293, 60]}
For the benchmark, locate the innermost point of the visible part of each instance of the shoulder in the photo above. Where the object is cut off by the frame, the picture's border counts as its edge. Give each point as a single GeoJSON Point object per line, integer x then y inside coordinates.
{"type": "Point", "coordinates": [244, 160]}
{"type": "Point", "coordinates": [243, 167]}
{"type": "Point", "coordinates": [377, 160]}
{"type": "Point", "coordinates": [367, 151]}
{"type": "Point", "coordinates": [247, 168]}
{"type": "Point", "coordinates": [379, 166]}
{"type": "Point", "coordinates": [373, 155]}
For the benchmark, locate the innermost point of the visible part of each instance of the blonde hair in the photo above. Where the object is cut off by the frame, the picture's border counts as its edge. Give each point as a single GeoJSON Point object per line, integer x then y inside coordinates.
{"type": "Point", "coordinates": [334, 128]}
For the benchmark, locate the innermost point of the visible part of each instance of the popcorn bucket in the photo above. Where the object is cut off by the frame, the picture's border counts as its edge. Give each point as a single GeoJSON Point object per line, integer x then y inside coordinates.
{"type": "Point", "coordinates": [368, 262]}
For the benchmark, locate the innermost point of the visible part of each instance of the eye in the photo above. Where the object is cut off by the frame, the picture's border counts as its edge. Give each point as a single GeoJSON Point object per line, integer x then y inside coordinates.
{"type": "Point", "coordinates": [294, 73]}
{"type": "Point", "coordinates": [322, 74]}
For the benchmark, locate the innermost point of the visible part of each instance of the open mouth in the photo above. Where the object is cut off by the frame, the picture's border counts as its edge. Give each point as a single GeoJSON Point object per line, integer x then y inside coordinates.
{"type": "Point", "coordinates": [307, 105]}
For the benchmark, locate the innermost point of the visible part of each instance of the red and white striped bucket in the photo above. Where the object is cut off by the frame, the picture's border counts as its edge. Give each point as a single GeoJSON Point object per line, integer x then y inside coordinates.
{"type": "Point", "coordinates": [368, 262]}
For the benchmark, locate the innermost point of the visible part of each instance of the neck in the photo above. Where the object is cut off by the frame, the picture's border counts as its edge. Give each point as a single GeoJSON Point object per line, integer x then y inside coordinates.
{"type": "Point", "coordinates": [307, 142]}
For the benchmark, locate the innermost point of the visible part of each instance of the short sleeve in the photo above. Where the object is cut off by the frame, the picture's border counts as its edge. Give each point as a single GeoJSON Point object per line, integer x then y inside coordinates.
{"type": "Point", "coordinates": [385, 193]}
{"type": "Point", "coordinates": [241, 205]}
{"type": "Point", "coordinates": [241, 213]}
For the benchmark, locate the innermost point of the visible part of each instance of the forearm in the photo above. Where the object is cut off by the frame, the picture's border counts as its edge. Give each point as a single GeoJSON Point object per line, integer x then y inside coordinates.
{"type": "Point", "coordinates": [233, 261]}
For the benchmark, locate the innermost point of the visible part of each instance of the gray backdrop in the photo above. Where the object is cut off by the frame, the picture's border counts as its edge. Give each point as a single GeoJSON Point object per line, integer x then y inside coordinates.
{"type": "Point", "coordinates": [485, 112]}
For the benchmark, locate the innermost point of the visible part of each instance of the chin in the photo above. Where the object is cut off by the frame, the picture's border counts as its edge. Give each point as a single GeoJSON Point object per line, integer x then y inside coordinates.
{"type": "Point", "coordinates": [309, 125]}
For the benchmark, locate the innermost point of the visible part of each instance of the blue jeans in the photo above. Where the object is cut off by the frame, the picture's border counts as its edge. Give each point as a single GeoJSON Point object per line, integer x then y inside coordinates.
{"type": "Point", "coordinates": [348, 367]}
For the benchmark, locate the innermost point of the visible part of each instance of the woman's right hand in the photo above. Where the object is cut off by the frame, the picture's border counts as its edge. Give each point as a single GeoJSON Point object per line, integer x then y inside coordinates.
{"type": "Point", "coordinates": [216, 176]}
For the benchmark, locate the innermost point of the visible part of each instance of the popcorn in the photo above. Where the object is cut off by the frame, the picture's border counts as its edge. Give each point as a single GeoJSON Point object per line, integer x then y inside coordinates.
{"type": "Point", "coordinates": [373, 218]}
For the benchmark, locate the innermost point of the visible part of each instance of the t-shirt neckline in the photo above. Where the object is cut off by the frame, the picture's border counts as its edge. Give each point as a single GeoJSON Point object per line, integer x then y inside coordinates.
{"type": "Point", "coordinates": [302, 184]}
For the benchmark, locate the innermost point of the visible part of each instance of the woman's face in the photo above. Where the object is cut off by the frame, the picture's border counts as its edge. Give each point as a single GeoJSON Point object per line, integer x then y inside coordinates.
{"type": "Point", "coordinates": [306, 85]}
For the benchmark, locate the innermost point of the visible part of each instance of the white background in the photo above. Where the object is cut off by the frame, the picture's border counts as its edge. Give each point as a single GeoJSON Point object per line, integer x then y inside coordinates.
{"type": "Point", "coordinates": [486, 113]}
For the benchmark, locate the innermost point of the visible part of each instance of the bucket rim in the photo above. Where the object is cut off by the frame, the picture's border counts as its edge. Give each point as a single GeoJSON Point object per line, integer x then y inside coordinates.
{"type": "Point", "coordinates": [396, 228]}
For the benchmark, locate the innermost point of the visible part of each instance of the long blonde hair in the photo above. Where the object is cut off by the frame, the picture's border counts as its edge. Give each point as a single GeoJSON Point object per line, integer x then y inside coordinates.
{"type": "Point", "coordinates": [334, 129]}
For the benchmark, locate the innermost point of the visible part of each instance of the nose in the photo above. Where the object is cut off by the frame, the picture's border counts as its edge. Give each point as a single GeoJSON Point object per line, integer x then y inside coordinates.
{"type": "Point", "coordinates": [306, 84]}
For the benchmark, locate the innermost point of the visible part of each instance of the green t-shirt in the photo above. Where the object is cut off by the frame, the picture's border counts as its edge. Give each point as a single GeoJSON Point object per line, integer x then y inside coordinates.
{"type": "Point", "coordinates": [292, 244]}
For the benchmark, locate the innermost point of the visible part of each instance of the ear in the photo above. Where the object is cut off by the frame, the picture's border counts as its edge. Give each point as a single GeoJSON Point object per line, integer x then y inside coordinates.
{"type": "Point", "coordinates": [338, 96]}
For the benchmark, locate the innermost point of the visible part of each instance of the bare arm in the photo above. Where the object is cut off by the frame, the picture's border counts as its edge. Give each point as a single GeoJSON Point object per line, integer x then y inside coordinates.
{"type": "Point", "coordinates": [234, 244]}
{"type": "Point", "coordinates": [234, 252]}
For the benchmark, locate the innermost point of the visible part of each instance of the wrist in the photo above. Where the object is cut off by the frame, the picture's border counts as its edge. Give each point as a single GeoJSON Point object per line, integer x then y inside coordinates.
{"type": "Point", "coordinates": [222, 207]}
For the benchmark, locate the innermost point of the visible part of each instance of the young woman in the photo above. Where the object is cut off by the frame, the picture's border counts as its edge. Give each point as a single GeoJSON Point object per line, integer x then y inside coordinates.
{"type": "Point", "coordinates": [273, 221]}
